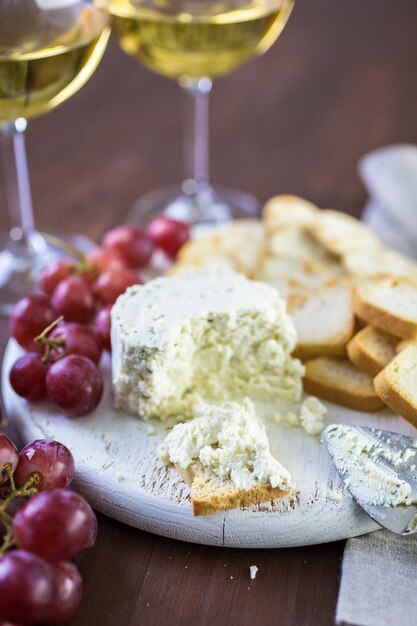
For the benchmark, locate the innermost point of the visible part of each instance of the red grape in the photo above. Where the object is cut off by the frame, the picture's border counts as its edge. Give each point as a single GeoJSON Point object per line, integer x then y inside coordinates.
{"type": "Point", "coordinates": [168, 234]}
{"type": "Point", "coordinates": [75, 384]}
{"type": "Point", "coordinates": [74, 300]}
{"type": "Point", "coordinates": [78, 339]}
{"type": "Point", "coordinates": [112, 283]}
{"type": "Point", "coordinates": [30, 317]}
{"type": "Point", "coordinates": [134, 244]}
{"type": "Point", "coordinates": [57, 525]}
{"type": "Point", "coordinates": [103, 326]}
{"type": "Point", "coordinates": [50, 459]}
{"type": "Point", "coordinates": [8, 455]}
{"type": "Point", "coordinates": [69, 592]}
{"type": "Point", "coordinates": [54, 274]}
{"type": "Point", "coordinates": [106, 258]}
{"type": "Point", "coordinates": [28, 376]}
{"type": "Point", "coordinates": [27, 587]}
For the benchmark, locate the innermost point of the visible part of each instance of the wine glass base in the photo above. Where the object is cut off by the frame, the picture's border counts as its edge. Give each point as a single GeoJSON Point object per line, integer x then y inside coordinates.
{"type": "Point", "coordinates": [21, 266]}
{"type": "Point", "coordinates": [209, 205]}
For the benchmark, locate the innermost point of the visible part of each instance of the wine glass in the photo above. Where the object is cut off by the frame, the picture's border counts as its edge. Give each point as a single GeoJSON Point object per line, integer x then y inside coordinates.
{"type": "Point", "coordinates": [48, 50]}
{"type": "Point", "coordinates": [193, 42]}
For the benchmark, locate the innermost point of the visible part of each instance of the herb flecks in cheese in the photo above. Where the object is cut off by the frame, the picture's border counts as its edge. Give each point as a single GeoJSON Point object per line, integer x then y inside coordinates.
{"type": "Point", "coordinates": [205, 334]}
{"type": "Point", "coordinates": [227, 440]}
{"type": "Point", "coordinates": [369, 479]}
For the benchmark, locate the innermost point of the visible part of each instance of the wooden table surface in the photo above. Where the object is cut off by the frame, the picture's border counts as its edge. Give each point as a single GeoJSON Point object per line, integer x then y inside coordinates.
{"type": "Point", "coordinates": [341, 81]}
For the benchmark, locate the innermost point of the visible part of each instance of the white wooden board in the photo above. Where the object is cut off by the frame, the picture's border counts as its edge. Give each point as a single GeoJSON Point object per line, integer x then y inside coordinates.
{"type": "Point", "coordinates": [118, 471]}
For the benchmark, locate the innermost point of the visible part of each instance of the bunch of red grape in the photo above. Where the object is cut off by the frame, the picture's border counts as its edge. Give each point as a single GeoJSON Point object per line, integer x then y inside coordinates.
{"type": "Point", "coordinates": [40, 538]}
{"type": "Point", "coordinates": [61, 358]}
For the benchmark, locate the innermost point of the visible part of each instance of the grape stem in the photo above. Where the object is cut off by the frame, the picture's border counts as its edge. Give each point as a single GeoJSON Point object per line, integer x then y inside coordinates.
{"type": "Point", "coordinates": [26, 491]}
{"type": "Point", "coordinates": [84, 263]}
{"type": "Point", "coordinates": [50, 344]}
{"type": "Point", "coordinates": [8, 539]}
{"type": "Point", "coordinates": [8, 470]}
{"type": "Point", "coordinates": [67, 247]}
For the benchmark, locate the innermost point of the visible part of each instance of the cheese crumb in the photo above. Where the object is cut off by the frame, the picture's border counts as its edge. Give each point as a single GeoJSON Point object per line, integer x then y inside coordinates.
{"type": "Point", "coordinates": [308, 416]}
{"type": "Point", "coordinates": [311, 415]}
{"type": "Point", "coordinates": [291, 419]}
{"type": "Point", "coordinates": [227, 439]}
{"type": "Point", "coordinates": [253, 571]}
{"type": "Point", "coordinates": [335, 495]}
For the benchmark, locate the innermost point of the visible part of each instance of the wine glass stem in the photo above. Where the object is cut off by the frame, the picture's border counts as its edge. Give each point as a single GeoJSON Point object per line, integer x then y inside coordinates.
{"type": "Point", "coordinates": [17, 184]}
{"type": "Point", "coordinates": [197, 130]}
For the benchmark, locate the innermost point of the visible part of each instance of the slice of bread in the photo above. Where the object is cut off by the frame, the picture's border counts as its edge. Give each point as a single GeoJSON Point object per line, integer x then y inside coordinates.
{"type": "Point", "coordinates": [210, 495]}
{"type": "Point", "coordinates": [206, 262]}
{"type": "Point", "coordinates": [389, 304]}
{"type": "Point", "coordinates": [338, 380]}
{"type": "Point", "coordinates": [372, 349]}
{"type": "Point", "coordinates": [403, 344]}
{"type": "Point", "coordinates": [239, 244]}
{"type": "Point", "coordinates": [396, 385]}
{"type": "Point", "coordinates": [324, 322]}
{"type": "Point", "coordinates": [294, 242]}
{"type": "Point", "coordinates": [376, 262]}
{"type": "Point", "coordinates": [224, 454]}
{"type": "Point", "coordinates": [309, 274]}
{"type": "Point", "coordinates": [340, 233]}
{"type": "Point", "coordinates": [287, 210]}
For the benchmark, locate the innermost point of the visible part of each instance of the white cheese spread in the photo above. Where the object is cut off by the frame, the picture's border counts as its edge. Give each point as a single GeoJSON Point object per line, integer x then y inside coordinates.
{"type": "Point", "coordinates": [369, 478]}
{"type": "Point", "coordinates": [227, 440]}
{"type": "Point", "coordinates": [212, 335]}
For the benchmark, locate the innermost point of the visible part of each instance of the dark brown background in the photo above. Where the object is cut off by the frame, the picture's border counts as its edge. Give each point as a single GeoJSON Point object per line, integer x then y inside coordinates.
{"type": "Point", "coordinates": [341, 81]}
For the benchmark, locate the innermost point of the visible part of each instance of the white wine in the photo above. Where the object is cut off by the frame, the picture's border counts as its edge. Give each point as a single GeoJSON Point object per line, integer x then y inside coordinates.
{"type": "Point", "coordinates": [197, 38]}
{"type": "Point", "coordinates": [48, 60]}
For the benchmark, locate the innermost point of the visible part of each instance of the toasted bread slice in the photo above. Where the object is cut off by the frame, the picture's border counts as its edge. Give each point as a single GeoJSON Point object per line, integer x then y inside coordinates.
{"type": "Point", "coordinates": [311, 274]}
{"type": "Point", "coordinates": [206, 262]}
{"type": "Point", "coordinates": [210, 495]}
{"type": "Point", "coordinates": [372, 349]}
{"type": "Point", "coordinates": [224, 455]}
{"type": "Point", "coordinates": [338, 380]}
{"type": "Point", "coordinates": [389, 304]}
{"type": "Point", "coordinates": [403, 344]}
{"type": "Point", "coordinates": [340, 233]}
{"type": "Point", "coordinates": [294, 242]}
{"type": "Point", "coordinates": [285, 210]}
{"type": "Point", "coordinates": [396, 385]}
{"type": "Point", "coordinates": [376, 262]}
{"type": "Point", "coordinates": [324, 321]}
{"type": "Point", "coordinates": [239, 244]}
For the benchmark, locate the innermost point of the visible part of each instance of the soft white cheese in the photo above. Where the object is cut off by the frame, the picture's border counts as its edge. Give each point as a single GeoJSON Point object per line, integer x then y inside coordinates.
{"type": "Point", "coordinates": [204, 334]}
{"type": "Point", "coordinates": [334, 495]}
{"type": "Point", "coordinates": [312, 413]}
{"type": "Point", "coordinates": [369, 479]}
{"type": "Point", "coordinates": [308, 416]}
{"type": "Point", "coordinates": [227, 439]}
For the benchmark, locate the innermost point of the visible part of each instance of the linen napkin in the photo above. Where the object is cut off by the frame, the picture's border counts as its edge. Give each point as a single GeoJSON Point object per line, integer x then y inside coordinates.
{"type": "Point", "coordinates": [379, 571]}
{"type": "Point", "coordinates": [390, 175]}
{"type": "Point", "coordinates": [379, 581]}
